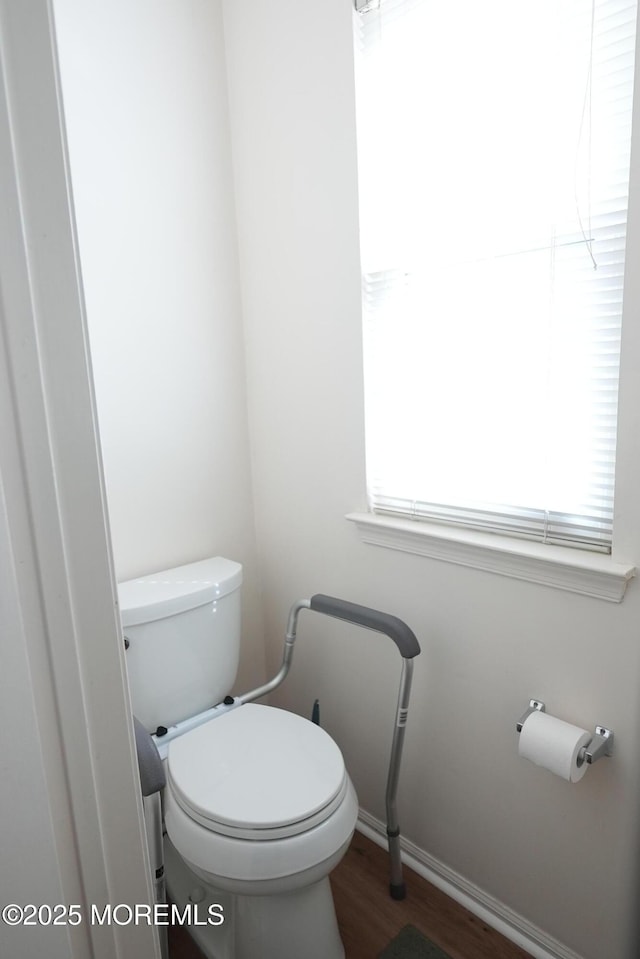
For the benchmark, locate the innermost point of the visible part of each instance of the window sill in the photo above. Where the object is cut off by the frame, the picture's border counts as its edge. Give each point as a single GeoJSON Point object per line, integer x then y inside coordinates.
{"type": "Point", "coordinates": [591, 574]}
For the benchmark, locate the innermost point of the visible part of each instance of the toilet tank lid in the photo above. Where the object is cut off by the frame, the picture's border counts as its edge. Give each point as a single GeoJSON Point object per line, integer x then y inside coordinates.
{"type": "Point", "coordinates": [172, 591]}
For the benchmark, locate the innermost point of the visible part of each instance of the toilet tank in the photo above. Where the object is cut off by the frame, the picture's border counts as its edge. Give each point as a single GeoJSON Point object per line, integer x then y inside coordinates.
{"type": "Point", "coordinates": [183, 632]}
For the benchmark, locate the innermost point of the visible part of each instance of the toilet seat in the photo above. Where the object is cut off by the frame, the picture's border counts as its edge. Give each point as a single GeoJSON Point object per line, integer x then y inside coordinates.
{"type": "Point", "coordinates": [257, 868]}
{"type": "Point", "coordinates": [257, 773]}
{"type": "Point", "coordinates": [257, 797]}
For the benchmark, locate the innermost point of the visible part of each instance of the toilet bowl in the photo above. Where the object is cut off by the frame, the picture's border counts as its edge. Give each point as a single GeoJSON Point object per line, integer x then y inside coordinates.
{"type": "Point", "coordinates": [258, 806]}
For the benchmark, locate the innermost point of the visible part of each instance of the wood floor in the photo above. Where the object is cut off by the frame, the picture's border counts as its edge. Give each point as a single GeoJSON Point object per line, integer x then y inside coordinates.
{"type": "Point", "coordinates": [369, 918]}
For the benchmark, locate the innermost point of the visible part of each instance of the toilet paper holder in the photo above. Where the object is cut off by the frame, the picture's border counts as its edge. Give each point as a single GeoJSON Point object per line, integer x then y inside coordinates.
{"type": "Point", "coordinates": [601, 744]}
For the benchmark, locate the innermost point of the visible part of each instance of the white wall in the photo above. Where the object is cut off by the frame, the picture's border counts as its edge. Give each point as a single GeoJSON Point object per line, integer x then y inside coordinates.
{"type": "Point", "coordinates": [145, 100]}
{"type": "Point", "coordinates": [561, 856]}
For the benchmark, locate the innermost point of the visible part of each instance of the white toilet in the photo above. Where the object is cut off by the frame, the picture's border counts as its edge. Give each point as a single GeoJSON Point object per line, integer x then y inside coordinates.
{"type": "Point", "coordinates": [258, 804]}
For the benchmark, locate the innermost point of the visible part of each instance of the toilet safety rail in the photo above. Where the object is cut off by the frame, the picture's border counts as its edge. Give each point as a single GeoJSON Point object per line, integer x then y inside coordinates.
{"type": "Point", "coordinates": [409, 647]}
{"type": "Point", "coordinates": [152, 782]}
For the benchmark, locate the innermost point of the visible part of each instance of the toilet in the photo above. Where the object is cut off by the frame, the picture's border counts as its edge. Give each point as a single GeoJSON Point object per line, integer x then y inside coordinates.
{"type": "Point", "coordinates": [258, 805]}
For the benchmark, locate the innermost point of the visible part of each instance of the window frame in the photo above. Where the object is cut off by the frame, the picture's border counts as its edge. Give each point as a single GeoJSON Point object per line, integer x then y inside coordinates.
{"type": "Point", "coordinates": [597, 575]}
{"type": "Point", "coordinates": [564, 566]}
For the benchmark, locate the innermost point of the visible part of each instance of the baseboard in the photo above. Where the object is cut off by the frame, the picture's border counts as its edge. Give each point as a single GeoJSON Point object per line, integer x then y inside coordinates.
{"type": "Point", "coordinates": [500, 917]}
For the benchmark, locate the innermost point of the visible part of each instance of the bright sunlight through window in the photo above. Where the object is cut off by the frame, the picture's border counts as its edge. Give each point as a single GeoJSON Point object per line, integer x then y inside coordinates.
{"type": "Point", "coordinates": [494, 143]}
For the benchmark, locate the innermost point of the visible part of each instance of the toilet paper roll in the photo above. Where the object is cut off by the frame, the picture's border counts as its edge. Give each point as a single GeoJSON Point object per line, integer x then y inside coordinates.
{"type": "Point", "coordinates": [554, 744]}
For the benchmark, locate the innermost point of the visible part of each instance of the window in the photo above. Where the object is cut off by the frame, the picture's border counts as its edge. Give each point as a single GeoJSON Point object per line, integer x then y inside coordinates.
{"type": "Point", "coordinates": [493, 144]}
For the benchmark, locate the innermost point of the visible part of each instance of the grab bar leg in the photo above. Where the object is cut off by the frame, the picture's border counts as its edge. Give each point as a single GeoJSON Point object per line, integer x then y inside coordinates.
{"type": "Point", "coordinates": [397, 887]}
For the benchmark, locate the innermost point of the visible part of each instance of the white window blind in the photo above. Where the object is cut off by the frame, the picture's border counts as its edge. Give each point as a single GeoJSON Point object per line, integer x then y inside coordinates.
{"type": "Point", "coordinates": [493, 143]}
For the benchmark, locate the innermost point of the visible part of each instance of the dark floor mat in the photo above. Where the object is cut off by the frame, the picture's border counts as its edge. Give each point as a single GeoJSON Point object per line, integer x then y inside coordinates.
{"type": "Point", "coordinates": [411, 944]}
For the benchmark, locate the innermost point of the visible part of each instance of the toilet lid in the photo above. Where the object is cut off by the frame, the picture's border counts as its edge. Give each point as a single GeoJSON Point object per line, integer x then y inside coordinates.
{"type": "Point", "coordinates": [257, 768]}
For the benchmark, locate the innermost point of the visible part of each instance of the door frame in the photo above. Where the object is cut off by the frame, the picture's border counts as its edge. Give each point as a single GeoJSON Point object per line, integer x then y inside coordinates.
{"type": "Point", "coordinates": [51, 480]}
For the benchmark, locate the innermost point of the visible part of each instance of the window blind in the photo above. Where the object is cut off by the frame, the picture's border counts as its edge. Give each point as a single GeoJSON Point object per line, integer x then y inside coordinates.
{"type": "Point", "coordinates": [493, 146]}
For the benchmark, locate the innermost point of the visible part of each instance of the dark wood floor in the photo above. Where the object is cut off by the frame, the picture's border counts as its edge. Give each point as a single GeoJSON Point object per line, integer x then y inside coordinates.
{"type": "Point", "coordinates": [369, 918]}
{"type": "Point", "coordinates": [181, 945]}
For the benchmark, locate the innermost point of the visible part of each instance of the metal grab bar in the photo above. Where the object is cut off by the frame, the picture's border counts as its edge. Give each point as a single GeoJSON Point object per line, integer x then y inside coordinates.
{"type": "Point", "coordinates": [287, 656]}
{"type": "Point", "coordinates": [408, 646]}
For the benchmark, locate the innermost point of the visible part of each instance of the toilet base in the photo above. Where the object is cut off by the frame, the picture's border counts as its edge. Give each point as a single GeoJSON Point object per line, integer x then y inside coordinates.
{"type": "Point", "coordinates": [289, 926]}
{"type": "Point", "coordinates": [292, 925]}
{"type": "Point", "coordinates": [216, 942]}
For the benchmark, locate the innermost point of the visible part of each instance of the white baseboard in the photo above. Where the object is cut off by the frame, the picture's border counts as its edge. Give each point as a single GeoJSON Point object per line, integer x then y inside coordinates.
{"type": "Point", "coordinates": [500, 917]}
